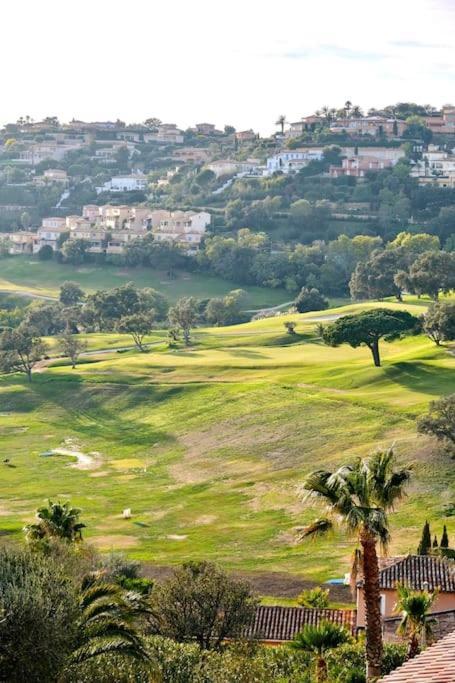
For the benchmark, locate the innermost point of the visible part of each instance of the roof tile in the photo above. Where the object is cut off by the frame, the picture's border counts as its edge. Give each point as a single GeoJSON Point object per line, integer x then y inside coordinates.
{"type": "Point", "coordinates": [434, 665]}
{"type": "Point", "coordinates": [283, 623]}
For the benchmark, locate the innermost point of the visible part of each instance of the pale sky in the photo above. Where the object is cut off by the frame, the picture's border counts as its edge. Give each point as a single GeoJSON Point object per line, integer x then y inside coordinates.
{"type": "Point", "coordinates": [238, 62]}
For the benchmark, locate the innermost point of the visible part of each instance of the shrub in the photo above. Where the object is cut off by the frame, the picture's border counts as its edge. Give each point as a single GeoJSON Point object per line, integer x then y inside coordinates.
{"type": "Point", "coordinates": [314, 597]}
{"type": "Point", "coordinates": [39, 612]}
{"type": "Point", "coordinates": [45, 253]}
{"type": "Point", "coordinates": [310, 300]}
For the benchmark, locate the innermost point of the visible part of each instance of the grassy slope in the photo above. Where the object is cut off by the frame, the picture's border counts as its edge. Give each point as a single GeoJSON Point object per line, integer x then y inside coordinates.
{"type": "Point", "coordinates": [27, 274]}
{"type": "Point", "coordinates": [208, 445]}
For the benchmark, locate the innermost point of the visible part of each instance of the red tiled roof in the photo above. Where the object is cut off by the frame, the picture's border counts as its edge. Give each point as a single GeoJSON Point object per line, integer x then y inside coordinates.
{"type": "Point", "coordinates": [434, 665]}
{"type": "Point", "coordinates": [283, 623]}
{"type": "Point", "coordinates": [420, 572]}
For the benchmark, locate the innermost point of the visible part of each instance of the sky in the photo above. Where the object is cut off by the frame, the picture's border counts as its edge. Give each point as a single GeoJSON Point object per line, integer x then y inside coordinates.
{"type": "Point", "coordinates": [242, 62]}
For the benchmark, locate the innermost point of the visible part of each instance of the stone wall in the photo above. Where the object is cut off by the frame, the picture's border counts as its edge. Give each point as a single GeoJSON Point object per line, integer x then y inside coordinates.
{"type": "Point", "coordinates": [445, 624]}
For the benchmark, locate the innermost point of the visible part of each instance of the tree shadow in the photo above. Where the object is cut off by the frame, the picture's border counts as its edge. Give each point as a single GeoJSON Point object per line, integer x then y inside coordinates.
{"type": "Point", "coordinates": [422, 377]}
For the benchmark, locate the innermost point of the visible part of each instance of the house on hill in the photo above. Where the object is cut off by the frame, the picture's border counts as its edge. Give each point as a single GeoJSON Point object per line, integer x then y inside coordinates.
{"type": "Point", "coordinates": [419, 572]}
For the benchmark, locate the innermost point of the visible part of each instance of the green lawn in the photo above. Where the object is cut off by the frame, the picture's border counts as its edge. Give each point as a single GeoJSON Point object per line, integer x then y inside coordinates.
{"type": "Point", "coordinates": [28, 274]}
{"type": "Point", "coordinates": [208, 445]}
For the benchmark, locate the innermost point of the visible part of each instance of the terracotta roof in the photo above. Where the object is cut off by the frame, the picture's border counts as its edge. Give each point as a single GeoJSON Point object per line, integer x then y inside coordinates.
{"type": "Point", "coordinates": [434, 665]}
{"type": "Point", "coordinates": [283, 623]}
{"type": "Point", "coordinates": [416, 571]}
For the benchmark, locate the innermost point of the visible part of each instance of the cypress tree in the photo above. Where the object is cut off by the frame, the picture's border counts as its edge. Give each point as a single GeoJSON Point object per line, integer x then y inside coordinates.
{"type": "Point", "coordinates": [425, 541]}
{"type": "Point", "coordinates": [435, 542]}
{"type": "Point", "coordinates": [444, 538]}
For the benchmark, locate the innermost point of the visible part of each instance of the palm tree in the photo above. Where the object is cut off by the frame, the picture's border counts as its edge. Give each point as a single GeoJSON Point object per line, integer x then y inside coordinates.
{"type": "Point", "coordinates": [58, 520]}
{"type": "Point", "coordinates": [106, 624]}
{"type": "Point", "coordinates": [415, 623]}
{"type": "Point", "coordinates": [318, 640]}
{"type": "Point", "coordinates": [281, 120]}
{"type": "Point", "coordinates": [356, 111]}
{"type": "Point", "coordinates": [359, 496]}
{"type": "Point", "coordinates": [347, 107]}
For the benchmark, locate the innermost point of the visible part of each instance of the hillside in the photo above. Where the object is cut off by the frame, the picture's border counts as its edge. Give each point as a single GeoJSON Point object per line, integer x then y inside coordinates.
{"type": "Point", "coordinates": [207, 446]}
{"type": "Point", "coordinates": [28, 275]}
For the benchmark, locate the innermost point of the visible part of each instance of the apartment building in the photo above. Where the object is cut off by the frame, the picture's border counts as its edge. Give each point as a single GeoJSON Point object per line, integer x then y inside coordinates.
{"type": "Point", "coordinates": [369, 125]}
{"type": "Point", "coordinates": [358, 166]}
{"type": "Point", "coordinates": [183, 227]}
{"type": "Point", "coordinates": [38, 152]}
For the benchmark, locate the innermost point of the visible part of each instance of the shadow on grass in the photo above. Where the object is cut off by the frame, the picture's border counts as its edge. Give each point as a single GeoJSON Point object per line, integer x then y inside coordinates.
{"type": "Point", "coordinates": [105, 411]}
{"type": "Point", "coordinates": [421, 377]}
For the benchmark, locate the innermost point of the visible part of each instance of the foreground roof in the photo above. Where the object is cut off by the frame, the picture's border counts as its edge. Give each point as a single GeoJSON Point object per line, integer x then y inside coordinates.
{"type": "Point", "coordinates": [283, 623]}
{"type": "Point", "coordinates": [434, 665]}
{"type": "Point", "coordinates": [420, 572]}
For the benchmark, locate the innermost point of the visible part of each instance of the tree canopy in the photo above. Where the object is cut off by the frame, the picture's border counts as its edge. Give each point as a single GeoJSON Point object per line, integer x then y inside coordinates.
{"type": "Point", "coordinates": [368, 327]}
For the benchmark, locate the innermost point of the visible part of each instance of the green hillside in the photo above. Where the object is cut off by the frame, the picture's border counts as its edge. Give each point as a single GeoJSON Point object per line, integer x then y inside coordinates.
{"type": "Point", "coordinates": [43, 278]}
{"type": "Point", "coordinates": [207, 446]}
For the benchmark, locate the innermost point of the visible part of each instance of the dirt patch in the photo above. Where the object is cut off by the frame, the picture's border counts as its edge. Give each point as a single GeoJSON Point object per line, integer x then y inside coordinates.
{"type": "Point", "coordinates": [201, 463]}
{"type": "Point", "coordinates": [205, 519]}
{"type": "Point", "coordinates": [116, 542]}
{"type": "Point", "coordinates": [102, 473]}
{"type": "Point", "coordinates": [176, 537]}
{"type": "Point", "coordinates": [278, 584]}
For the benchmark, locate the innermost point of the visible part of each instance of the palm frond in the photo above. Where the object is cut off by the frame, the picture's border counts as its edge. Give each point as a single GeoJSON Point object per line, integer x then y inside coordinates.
{"type": "Point", "coordinates": [317, 528]}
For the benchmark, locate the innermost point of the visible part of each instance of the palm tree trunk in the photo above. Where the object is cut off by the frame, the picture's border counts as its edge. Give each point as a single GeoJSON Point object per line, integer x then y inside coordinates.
{"type": "Point", "coordinates": [372, 605]}
{"type": "Point", "coordinates": [413, 647]}
{"type": "Point", "coordinates": [321, 670]}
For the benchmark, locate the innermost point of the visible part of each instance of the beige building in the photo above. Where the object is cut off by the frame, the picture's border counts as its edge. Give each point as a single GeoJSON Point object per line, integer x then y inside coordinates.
{"type": "Point", "coordinates": [183, 227]}
{"type": "Point", "coordinates": [22, 242]}
{"type": "Point", "coordinates": [419, 572]}
{"type": "Point", "coordinates": [195, 155]}
{"type": "Point", "coordinates": [52, 175]}
{"type": "Point", "coordinates": [443, 123]}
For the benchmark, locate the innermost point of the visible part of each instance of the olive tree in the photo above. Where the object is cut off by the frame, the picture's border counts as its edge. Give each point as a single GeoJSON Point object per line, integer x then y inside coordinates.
{"type": "Point", "coordinates": [184, 315]}
{"type": "Point", "coordinates": [20, 350]}
{"type": "Point", "coordinates": [201, 603]}
{"type": "Point", "coordinates": [72, 347]}
{"type": "Point", "coordinates": [439, 322]}
{"type": "Point", "coordinates": [440, 420]}
{"type": "Point", "coordinates": [138, 325]}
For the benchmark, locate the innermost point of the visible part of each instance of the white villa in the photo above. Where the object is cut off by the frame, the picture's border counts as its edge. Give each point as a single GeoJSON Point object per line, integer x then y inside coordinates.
{"type": "Point", "coordinates": [125, 183]}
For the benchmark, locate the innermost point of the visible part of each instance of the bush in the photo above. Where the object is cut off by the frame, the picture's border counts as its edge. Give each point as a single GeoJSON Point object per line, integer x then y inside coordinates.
{"type": "Point", "coordinates": [118, 565]}
{"type": "Point", "coordinates": [39, 612]}
{"type": "Point", "coordinates": [45, 253]}
{"type": "Point", "coordinates": [314, 597]}
{"type": "Point", "coordinates": [310, 300]}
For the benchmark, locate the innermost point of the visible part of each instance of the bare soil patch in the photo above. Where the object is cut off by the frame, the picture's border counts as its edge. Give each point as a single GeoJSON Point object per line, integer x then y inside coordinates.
{"type": "Point", "coordinates": [278, 584]}
{"type": "Point", "coordinates": [114, 541]}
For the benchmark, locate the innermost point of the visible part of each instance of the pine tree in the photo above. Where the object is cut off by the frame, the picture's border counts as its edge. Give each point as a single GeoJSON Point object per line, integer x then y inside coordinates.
{"type": "Point", "coordinates": [435, 542]}
{"type": "Point", "coordinates": [444, 538]}
{"type": "Point", "coordinates": [425, 541]}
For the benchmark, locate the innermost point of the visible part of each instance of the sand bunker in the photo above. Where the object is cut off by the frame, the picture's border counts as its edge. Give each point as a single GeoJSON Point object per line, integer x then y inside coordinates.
{"type": "Point", "coordinates": [84, 461]}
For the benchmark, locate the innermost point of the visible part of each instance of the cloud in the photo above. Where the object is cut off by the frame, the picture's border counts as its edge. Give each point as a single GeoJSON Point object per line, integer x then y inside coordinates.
{"type": "Point", "coordinates": [419, 44]}
{"type": "Point", "coordinates": [338, 51]}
